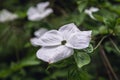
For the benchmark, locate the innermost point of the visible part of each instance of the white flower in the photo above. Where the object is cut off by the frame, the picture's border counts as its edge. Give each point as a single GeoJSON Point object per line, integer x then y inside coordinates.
{"type": "Point", "coordinates": [39, 12]}
{"type": "Point", "coordinates": [5, 15]}
{"type": "Point", "coordinates": [90, 11]}
{"type": "Point", "coordinates": [59, 44]}
{"type": "Point", "coordinates": [34, 41]}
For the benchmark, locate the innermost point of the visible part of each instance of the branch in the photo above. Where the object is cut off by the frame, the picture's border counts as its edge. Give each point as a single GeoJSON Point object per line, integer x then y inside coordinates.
{"type": "Point", "coordinates": [115, 45]}
{"type": "Point", "coordinates": [108, 72]}
{"type": "Point", "coordinates": [108, 63]}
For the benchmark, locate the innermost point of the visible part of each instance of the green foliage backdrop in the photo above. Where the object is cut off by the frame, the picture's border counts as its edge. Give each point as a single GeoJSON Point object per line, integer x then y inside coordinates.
{"type": "Point", "coordinates": [18, 57]}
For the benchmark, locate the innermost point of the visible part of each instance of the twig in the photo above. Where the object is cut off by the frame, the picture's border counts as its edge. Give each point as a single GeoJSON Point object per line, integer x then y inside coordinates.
{"type": "Point", "coordinates": [115, 45]}
{"type": "Point", "coordinates": [100, 42]}
{"type": "Point", "coordinates": [108, 72]}
{"type": "Point", "coordinates": [108, 63]}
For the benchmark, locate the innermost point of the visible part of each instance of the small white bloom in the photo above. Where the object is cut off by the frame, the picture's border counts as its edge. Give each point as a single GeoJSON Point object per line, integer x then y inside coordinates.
{"type": "Point", "coordinates": [90, 11]}
{"type": "Point", "coordinates": [34, 41]}
{"type": "Point", "coordinates": [5, 15]}
{"type": "Point", "coordinates": [39, 12]}
{"type": "Point", "coordinates": [59, 44]}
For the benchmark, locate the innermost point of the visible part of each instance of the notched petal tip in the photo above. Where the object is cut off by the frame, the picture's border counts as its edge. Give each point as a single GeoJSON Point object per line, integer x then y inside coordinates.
{"type": "Point", "coordinates": [51, 62]}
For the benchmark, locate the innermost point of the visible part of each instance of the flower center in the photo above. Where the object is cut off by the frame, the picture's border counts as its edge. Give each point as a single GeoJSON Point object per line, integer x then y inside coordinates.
{"type": "Point", "coordinates": [63, 42]}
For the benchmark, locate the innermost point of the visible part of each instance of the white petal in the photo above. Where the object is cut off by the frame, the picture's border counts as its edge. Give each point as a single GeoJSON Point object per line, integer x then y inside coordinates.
{"type": "Point", "coordinates": [34, 17]}
{"type": "Point", "coordinates": [34, 41]}
{"type": "Point", "coordinates": [68, 30]}
{"type": "Point", "coordinates": [42, 6]}
{"type": "Point", "coordinates": [31, 11]}
{"type": "Point", "coordinates": [5, 15]}
{"type": "Point", "coordinates": [90, 14]}
{"type": "Point", "coordinates": [40, 32]}
{"type": "Point", "coordinates": [87, 11]}
{"type": "Point", "coordinates": [45, 13]}
{"type": "Point", "coordinates": [39, 12]}
{"type": "Point", "coordinates": [50, 38]}
{"type": "Point", "coordinates": [54, 54]}
{"type": "Point", "coordinates": [79, 40]}
{"type": "Point", "coordinates": [90, 11]}
{"type": "Point", "coordinates": [94, 9]}
{"type": "Point", "coordinates": [33, 14]}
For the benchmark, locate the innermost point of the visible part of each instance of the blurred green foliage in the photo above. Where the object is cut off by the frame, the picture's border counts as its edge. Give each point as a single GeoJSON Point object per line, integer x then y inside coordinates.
{"type": "Point", "coordinates": [18, 57]}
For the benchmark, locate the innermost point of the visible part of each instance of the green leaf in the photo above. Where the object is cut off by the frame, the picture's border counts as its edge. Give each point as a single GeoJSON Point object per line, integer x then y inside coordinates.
{"type": "Point", "coordinates": [78, 74]}
{"type": "Point", "coordinates": [118, 21]}
{"type": "Point", "coordinates": [30, 61]}
{"type": "Point", "coordinates": [81, 59]}
{"type": "Point", "coordinates": [110, 21]}
{"type": "Point", "coordinates": [78, 19]}
{"type": "Point", "coordinates": [21, 14]}
{"type": "Point", "coordinates": [82, 5]}
{"type": "Point", "coordinates": [89, 49]}
{"type": "Point", "coordinates": [103, 30]}
{"type": "Point", "coordinates": [117, 30]}
{"type": "Point", "coordinates": [98, 17]}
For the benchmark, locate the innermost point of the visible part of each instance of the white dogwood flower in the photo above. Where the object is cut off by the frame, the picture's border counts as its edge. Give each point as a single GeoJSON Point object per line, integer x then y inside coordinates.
{"type": "Point", "coordinates": [34, 41]}
{"type": "Point", "coordinates": [90, 11]}
{"type": "Point", "coordinates": [5, 15]}
{"type": "Point", "coordinates": [39, 12]}
{"type": "Point", "coordinates": [59, 44]}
